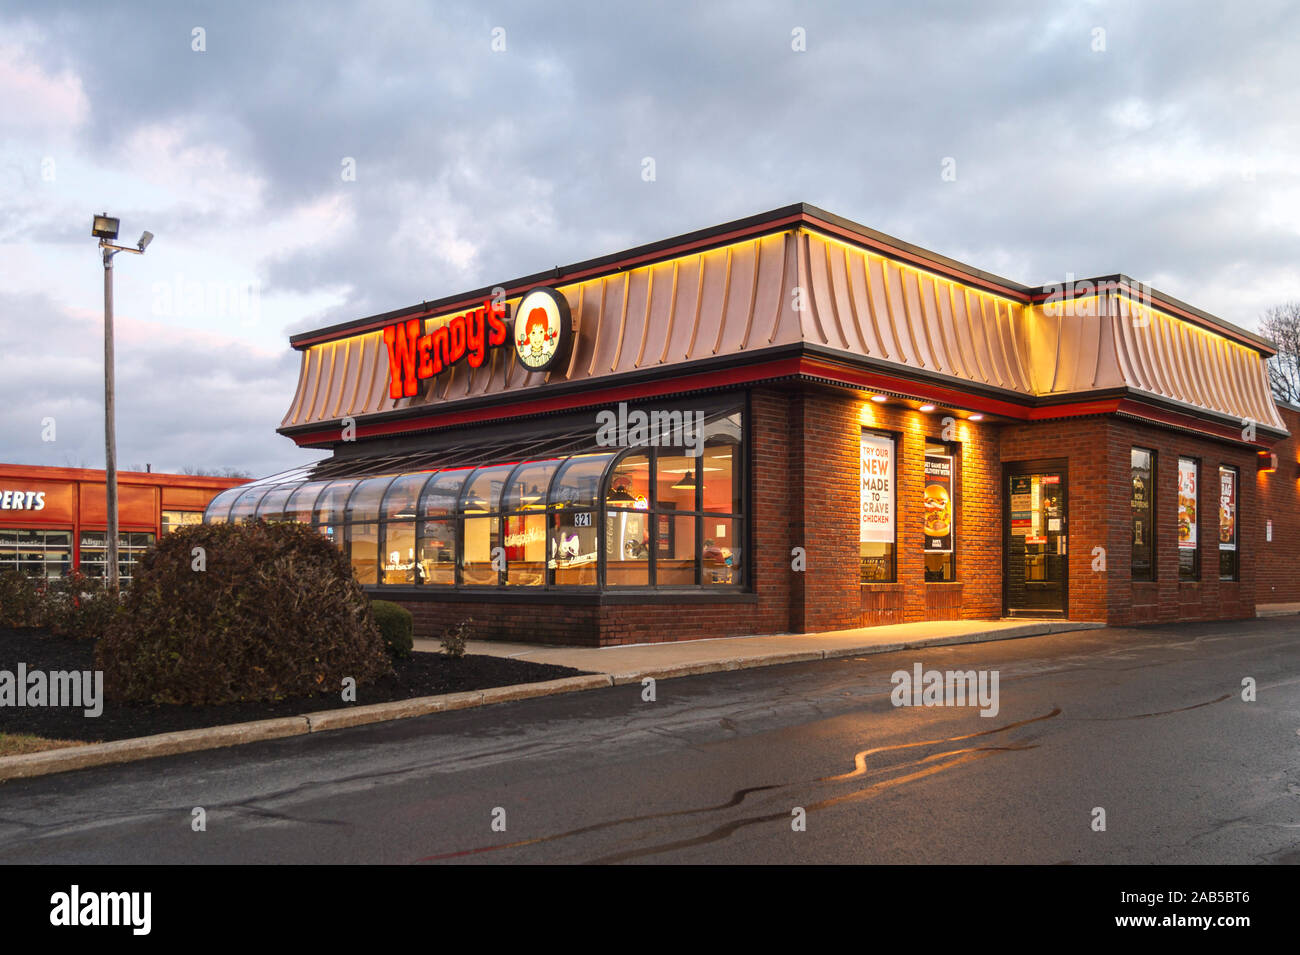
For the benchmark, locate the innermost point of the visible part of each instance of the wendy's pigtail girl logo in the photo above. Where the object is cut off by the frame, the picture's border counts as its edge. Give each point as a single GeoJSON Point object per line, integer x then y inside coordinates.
{"type": "Point", "coordinates": [537, 343]}
{"type": "Point", "coordinates": [543, 330]}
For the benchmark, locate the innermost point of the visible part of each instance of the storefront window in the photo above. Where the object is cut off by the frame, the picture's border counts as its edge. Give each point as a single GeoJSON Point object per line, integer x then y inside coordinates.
{"type": "Point", "coordinates": [38, 554]}
{"type": "Point", "coordinates": [526, 538]}
{"type": "Point", "coordinates": [480, 504]}
{"type": "Point", "coordinates": [671, 516]}
{"type": "Point", "coordinates": [1142, 464]}
{"type": "Point", "coordinates": [329, 512]}
{"type": "Point", "coordinates": [722, 546]}
{"type": "Point", "coordinates": [302, 503]}
{"type": "Point", "coordinates": [1229, 565]}
{"type": "Point", "coordinates": [362, 517]}
{"type": "Point", "coordinates": [1189, 550]}
{"type": "Point", "coordinates": [939, 511]}
{"type": "Point", "coordinates": [573, 548]}
{"type": "Point", "coordinates": [273, 504]}
{"type": "Point", "coordinates": [245, 505]}
{"type": "Point", "coordinates": [627, 523]}
{"type": "Point", "coordinates": [575, 495]}
{"type": "Point", "coordinates": [438, 526]}
{"type": "Point", "coordinates": [218, 510]}
{"type": "Point", "coordinates": [398, 563]}
{"type": "Point", "coordinates": [877, 533]}
{"type": "Point", "coordinates": [437, 548]}
{"type": "Point", "coordinates": [131, 546]}
{"type": "Point", "coordinates": [175, 520]}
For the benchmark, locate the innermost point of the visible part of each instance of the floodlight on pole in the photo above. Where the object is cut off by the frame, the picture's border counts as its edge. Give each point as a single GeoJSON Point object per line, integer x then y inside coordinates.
{"type": "Point", "coordinates": [104, 227]}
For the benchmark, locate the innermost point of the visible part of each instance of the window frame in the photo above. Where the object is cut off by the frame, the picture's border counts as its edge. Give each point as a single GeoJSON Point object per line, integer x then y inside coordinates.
{"type": "Point", "coordinates": [1150, 525]}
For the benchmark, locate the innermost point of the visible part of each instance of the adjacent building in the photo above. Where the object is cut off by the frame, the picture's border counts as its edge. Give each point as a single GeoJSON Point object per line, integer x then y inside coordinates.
{"type": "Point", "coordinates": [53, 520]}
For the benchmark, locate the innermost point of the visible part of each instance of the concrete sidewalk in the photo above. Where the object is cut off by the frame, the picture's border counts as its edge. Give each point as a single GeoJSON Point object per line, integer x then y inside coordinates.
{"type": "Point", "coordinates": [1276, 610]}
{"type": "Point", "coordinates": [630, 664]}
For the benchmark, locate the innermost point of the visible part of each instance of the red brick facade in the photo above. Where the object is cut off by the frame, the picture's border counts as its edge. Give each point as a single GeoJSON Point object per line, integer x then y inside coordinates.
{"type": "Point", "coordinates": [1277, 568]}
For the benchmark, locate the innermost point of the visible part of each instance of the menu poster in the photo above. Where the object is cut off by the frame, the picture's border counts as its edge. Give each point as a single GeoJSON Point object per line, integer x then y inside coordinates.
{"type": "Point", "coordinates": [1227, 509]}
{"type": "Point", "coordinates": [877, 525]}
{"type": "Point", "coordinates": [1187, 498]}
{"type": "Point", "coordinates": [937, 501]}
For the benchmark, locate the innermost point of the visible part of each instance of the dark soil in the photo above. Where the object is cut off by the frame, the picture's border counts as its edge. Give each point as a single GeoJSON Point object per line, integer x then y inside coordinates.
{"type": "Point", "coordinates": [421, 674]}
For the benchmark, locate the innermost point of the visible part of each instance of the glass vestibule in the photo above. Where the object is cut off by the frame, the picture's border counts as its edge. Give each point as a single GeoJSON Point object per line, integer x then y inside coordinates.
{"type": "Point", "coordinates": [648, 517]}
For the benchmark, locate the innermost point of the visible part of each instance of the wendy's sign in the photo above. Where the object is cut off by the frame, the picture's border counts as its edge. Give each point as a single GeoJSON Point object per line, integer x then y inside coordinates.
{"type": "Point", "coordinates": [543, 335]}
{"type": "Point", "coordinates": [413, 357]}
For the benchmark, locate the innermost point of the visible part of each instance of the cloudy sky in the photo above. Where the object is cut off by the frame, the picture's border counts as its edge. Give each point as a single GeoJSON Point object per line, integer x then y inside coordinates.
{"type": "Point", "coordinates": [1155, 139]}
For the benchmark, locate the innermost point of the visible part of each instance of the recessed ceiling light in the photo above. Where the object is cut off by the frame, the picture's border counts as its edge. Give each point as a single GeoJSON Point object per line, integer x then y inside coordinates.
{"type": "Point", "coordinates": [927, 408]}
{"type": "Point", "coordinates": [977, 417]}
{"type": "Point", "coordinates": [879, 398]}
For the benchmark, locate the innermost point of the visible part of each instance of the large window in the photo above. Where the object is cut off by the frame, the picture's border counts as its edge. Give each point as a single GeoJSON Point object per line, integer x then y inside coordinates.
{"type": "Point", "coordinates": [1142, 470]}
{"type": "Point", "coordinates": [1189, 541]}
{"type": "Point", "coordinates": [39, 554]}
{"type": "Point", "coordinates": [175, 520]}
{"type": "Point", "coordinates": [653, 515]}
{"type": "Point", "coordinates": [877, 534]}
{"type": "Point", "coordinates": [399, 563]}
{"type": "Point", "coordinates": [939, 511]}
{"type": "Point", "coordinates": [130, 548]}
{"type": "Point", "coordinates": [674, 519]}
{"type": "Point", "coordinates": [1229, 536]}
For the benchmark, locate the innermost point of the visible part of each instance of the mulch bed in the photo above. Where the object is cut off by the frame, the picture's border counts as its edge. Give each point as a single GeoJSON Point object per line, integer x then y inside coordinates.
{"type": "Point", "coordinates": [422, 674]}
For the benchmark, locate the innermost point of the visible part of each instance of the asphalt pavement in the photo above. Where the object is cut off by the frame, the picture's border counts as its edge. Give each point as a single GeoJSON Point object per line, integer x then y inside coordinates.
{"type": "Point", "coordinates": [807, 762]}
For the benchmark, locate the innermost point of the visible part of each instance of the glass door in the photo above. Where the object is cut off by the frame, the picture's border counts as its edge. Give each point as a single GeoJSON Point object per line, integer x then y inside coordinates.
{"type": "Point", "coordinates": [1036, 543]}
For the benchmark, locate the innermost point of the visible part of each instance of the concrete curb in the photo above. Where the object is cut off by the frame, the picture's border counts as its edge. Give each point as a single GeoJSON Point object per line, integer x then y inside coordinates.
{"type": "Point", "coordinates": [69, 758]}
{"type": "Point", "coordinates": [144, 747]}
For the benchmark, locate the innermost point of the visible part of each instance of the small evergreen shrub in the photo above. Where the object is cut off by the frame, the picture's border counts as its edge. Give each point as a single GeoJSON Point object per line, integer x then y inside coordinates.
{"type": "Point", "coordinates": [396, 625]}
{"type": "Point", "coordinates": [455, 638]}
{"type": "Point", "coordinates": [222, 613]}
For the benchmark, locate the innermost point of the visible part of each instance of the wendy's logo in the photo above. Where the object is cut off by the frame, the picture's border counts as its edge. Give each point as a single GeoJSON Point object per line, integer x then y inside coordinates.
{"type": "Point", "coordinates": [543, 330]}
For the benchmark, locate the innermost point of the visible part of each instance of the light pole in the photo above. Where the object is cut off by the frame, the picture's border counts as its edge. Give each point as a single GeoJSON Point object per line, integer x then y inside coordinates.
{"type": "Point", "coordinates": [104, 228]}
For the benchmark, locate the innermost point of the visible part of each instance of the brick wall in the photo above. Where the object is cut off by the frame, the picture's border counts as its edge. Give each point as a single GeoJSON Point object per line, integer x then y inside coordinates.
{"type": "Point", "coordinates": [1277, 568]}
{"type": "Point", "coordinates": [976, 593]}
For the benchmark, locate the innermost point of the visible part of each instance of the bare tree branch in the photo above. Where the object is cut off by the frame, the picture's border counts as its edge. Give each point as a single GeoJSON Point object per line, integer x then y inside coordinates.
{"type": "Point", "coordinates": [1281, 324]}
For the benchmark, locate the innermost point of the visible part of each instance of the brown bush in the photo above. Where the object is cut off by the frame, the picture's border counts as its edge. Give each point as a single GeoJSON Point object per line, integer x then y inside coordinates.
{"type": "Point", "coordinates": [77, 606]}
{"type": "Point", "coordinates": [19, 600]}
{"type": "Point", "coordinates": [275, 614]}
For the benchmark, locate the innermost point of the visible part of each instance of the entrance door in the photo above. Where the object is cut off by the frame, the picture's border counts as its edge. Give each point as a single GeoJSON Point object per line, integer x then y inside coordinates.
{"type": "Point", "coordinates": [1035, 568]}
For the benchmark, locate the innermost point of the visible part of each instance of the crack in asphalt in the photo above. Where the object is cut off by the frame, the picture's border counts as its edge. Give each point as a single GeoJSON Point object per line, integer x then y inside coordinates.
{"type": "Point", "coordinates": [958, 757]}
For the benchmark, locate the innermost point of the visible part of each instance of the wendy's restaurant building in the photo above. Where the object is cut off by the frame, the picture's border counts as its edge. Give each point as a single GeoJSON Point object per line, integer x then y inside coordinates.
{"type": "Point", "coordinates": [54, 520]}
{"type": "Point", "coordinates": [786, 423]}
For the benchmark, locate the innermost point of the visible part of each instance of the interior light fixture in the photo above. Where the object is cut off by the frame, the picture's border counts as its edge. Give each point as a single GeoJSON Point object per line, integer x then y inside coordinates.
{"type": "Point", "coordinates": [977, 417]}
{"type": "Point", "coordinates": [687, 482]}
{"type": "Point", "coordinates": [879, 399]}
{"type": "Point", "coordinates": [927, 408]}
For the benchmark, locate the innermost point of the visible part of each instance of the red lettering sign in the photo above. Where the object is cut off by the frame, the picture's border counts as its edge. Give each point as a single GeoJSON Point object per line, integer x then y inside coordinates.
{"type": "Point", "coordinates": [413, 357]}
